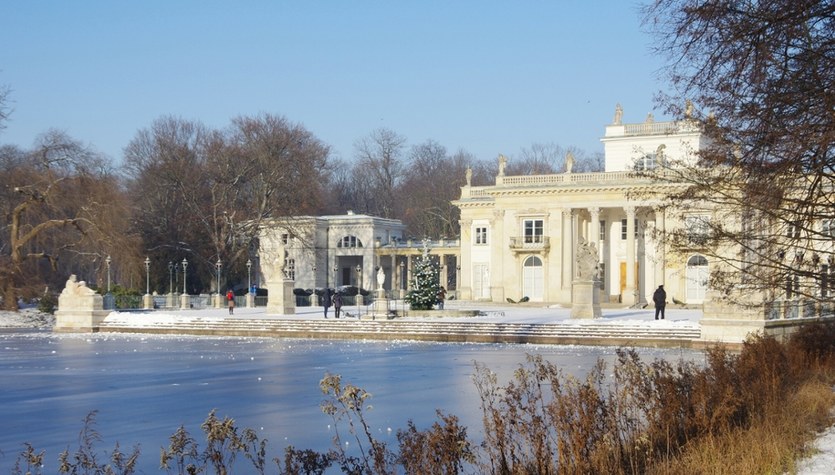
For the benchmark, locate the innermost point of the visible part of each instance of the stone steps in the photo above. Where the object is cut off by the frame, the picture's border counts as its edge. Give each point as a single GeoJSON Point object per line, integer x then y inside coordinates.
{"type": "Point", "coordinates": [557, 333]}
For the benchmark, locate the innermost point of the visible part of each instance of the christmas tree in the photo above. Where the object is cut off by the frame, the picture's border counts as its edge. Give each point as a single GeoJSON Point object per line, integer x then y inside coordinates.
{"type": "Point", "coordinates": [425, 282]}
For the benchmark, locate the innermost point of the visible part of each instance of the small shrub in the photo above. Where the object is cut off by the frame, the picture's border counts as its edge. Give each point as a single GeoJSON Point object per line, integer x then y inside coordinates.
{"type": "Point", "coordinates": [48, 303]}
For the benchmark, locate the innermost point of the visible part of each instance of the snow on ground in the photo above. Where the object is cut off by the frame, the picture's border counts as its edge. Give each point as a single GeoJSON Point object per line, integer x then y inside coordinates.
{"type": "Point", "coordinates": [820, 463]}
{"type": "Point", "coordinates": [490, 313]}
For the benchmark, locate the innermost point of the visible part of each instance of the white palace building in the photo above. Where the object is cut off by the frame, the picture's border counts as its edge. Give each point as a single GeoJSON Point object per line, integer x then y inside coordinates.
{"type": "Point", "coordinates": [519, 237]}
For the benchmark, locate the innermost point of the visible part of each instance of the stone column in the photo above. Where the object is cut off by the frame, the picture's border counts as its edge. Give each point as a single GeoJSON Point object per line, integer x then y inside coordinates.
{"type": "Point", "coordinates": [567, 274]}
{"type": "Point", "coordinates": [594, 227]}
{"type": "Point", "coordinates": [629, 296]}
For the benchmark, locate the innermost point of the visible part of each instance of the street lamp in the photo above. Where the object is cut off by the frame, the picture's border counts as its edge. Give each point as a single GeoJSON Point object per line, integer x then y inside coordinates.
{"type": "Point", "coordinates": [335, 270]}
{"type": "Point", "coordinates": [218, 264]}
{"type": "Point", "coordinates": [359, 286]}
{"type": "Point", "coordinates": [170, 277]}
{"type": "Point", "coordinates": [148, 300]}
{"type": "Point", "coordinates": [249, 275]}
{"type": "Point", "coordinates": [250, 298]}
{"type": "Point", "coordinates": [185, 264]}
{"type": "Point", "coordinates": [147, 275]}
{"type": "Point", "coordinates": [107, 261]}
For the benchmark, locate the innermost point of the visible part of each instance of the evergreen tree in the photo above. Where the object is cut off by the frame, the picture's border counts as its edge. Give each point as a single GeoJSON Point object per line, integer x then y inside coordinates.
{"type": "Point", "coordinates": [425, 282]}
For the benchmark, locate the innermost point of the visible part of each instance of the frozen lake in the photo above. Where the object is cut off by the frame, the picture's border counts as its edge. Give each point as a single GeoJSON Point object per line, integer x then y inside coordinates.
{"type": "Point", "coordinates": [145, 387]}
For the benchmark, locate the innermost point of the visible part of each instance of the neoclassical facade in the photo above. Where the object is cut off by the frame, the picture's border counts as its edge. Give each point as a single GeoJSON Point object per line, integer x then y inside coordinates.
{"type": "Point", "coordinates": [327, 251]}
{"type": "Point", "coordinates": [519, 237]}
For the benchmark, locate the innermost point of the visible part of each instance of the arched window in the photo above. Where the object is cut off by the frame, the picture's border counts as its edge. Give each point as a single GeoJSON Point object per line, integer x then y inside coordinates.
{"type": "Point", "coordinates": [697, 261]}
{"type": "Point", "coordinates": [349, 241]}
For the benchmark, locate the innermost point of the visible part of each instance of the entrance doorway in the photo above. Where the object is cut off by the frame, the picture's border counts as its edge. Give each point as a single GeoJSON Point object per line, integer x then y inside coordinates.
{"type": "Point", "coordinates": [696, 276]}
{"type": "Point", "coordinates": [533, 281]}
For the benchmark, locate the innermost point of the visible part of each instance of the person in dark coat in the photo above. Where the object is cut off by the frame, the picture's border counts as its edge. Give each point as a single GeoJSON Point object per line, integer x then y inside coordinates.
{"type": "Point", "coordinates": [337, 303]}
{"type": "Point", "coordinates": [326, 300]}
{"type": "Point", "coordinates": [660, 300]}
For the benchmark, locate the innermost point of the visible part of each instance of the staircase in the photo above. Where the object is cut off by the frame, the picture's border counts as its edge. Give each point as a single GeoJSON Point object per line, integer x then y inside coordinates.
{"type": "Point", "coordinates": [578, 333]}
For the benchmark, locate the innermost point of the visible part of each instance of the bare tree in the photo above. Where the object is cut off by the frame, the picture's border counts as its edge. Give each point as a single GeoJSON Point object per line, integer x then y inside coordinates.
{"type": "Point", "coordinates": [205, 193]}
{"type": "Point", "coordinates": [5, 109]}
{"type": "Point", "coordinates": [759, 79]}
{"type": "Point", "coordinates": [380, 160]}
{"type": "Point", "coordinates": [434, 180]}
{"type": "Point", "coordinates": [59, 200]}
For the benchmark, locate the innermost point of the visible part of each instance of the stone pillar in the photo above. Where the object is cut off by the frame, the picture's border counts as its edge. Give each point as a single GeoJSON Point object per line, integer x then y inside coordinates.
{"type": "Point", "coordinates": [629, 296]}
{"type": "Point", "coordinates": [585, 299]}
{"type": "Point", "coordinates": [147, 301]}
{"type": "Point", "coordinates": [567, 275]}
{"type": "Point", "coordinates": [594, 227]}
{"type": "Point", "coordinates": [79, 308]}
{"type": "Point", "coordinates": [250, 300]}
{"type": "Point", "coordinates": [280, 298]}
{"type": "Point", "coordinates": [185, 301]}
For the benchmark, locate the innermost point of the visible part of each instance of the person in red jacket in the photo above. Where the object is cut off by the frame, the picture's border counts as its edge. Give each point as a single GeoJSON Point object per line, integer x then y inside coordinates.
{"type": "Point", "coordinates": [230, 300]}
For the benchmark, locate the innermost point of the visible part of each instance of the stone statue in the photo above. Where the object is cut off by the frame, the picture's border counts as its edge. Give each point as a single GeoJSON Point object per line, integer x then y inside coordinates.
{"type": "Point", "coordinates": [688, 109]}
{"type": "Point", "coordinates": [502, 164]}
{"type": "Point", "coordinates": [618, 115]}
{"type": "Point", "coordinates": [569, 162]}
{"type": "Point", "coordinates": [587, 260]}
{"type": "Point", "coordinates": [650, 118]}
{"type": "Point", "coordinates": [276, 267]}
{"type": "Point", "coordinates": [75, 287]}
{"type": "Point", "coordinates": [469, 176]}
{"type": "Point", "coordinates": [381, 278]}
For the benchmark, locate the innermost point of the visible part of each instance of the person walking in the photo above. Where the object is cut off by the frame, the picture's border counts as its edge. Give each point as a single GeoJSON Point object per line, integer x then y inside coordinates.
{"type": "Point", "coordinates": [440, 297]}
{"type": "Point", "coordinates": [337, 303]}
{"type": "Point", "coordinates": [660, 300]}
{"type": "Point", "coordinates": [230, 301]}
{"type": "Point", "coordinates": [327, 300]}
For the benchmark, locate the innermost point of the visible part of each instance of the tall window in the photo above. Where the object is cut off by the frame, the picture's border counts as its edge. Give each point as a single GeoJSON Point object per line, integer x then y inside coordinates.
{"type": "Point", "coordinates": [828, 228]}
{"type": "Point", "coordinates": [349, 241]}
{"type": "Point", "coordinates": [623, 224]}
{"type": "Point", "coordinates": [290, 267]}
{"type": "Point", "coordinates": [533, 230]}
{"type": "Point", "coordinates": [602, 230]}
{"type": "Point", "coordinates": [481, 235]}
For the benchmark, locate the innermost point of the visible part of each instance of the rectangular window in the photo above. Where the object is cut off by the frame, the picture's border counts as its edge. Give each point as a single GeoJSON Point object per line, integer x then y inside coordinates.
{"type": "Point", "coordinates": [602, 275]}
{"type": "Point", "coordinates": [698, 228]}
{"type": "Point", "coordinates": [481, 235]}
{"type": "Point", "coordinates": [290, 266]}
{"type": "Point", "coordinates": [793, 230]}
{"type": "Point", "coordinates": [533, 230]}
{"type": "Point", "coordinates": [285, 238]}
{"type": "Point", "coordinates": [623, 229]}
{"type": "Point", "coordinates": [828, 228]}
{"type": "Point", "coordinates": [602, 231]}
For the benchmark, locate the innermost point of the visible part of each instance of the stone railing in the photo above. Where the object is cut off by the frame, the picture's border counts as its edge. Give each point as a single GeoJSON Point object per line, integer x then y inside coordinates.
{"type": "Point", "coordinates": [530, 243]}
{"type": "Point", "coordinates": [568, 178]}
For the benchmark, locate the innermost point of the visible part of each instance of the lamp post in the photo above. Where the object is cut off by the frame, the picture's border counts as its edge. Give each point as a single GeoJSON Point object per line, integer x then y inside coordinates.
{"type": "Point", "coordinates": [359, 287]}
{"type": "Point", "coordinates": [335, 270]}
{"type": "Point", "coordinates": [148, 300]}
{"type": "Point", "coordinates": [184, 303]}
{"type": "Point", "coordinates": [249, 297]}
{"type": "Point", "coordinates": [218, 265]}
{"type": "Point", "coordinates": [107, 261]}
{"type": "Point", "coordinates": [108, 301]}
{"type": "Point", "coordinates": [170, 300]}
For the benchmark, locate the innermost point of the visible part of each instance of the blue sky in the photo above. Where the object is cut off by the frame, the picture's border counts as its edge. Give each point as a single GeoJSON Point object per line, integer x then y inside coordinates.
{"type": "Point", "coordinates": [488, 77]}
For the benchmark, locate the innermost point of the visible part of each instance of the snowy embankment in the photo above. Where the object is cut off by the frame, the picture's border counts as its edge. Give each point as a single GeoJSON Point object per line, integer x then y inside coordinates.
{"type": "Point", "coordinates": [820, 463]}
{"type": "Point", "coordinates": [26, 318]}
